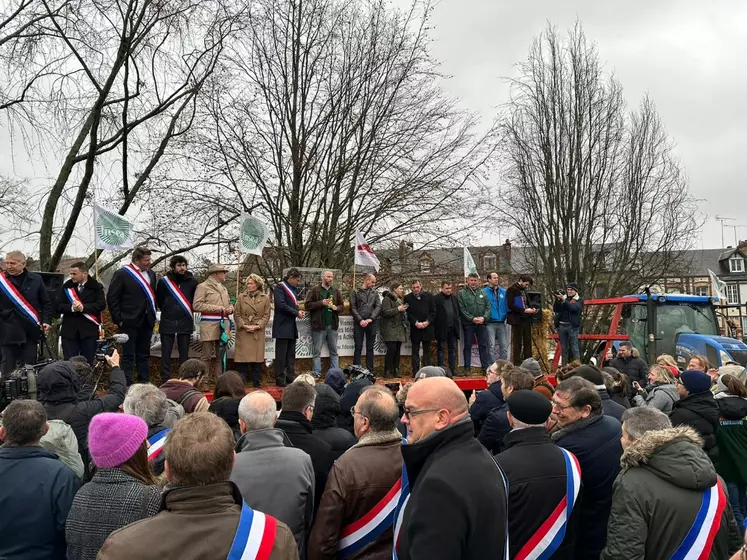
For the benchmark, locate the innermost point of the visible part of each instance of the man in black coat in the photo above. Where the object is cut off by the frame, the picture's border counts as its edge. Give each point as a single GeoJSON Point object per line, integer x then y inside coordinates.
{"type": "Point", "coordinates": [457, 505]}
{"type": "Point", "coordinates": [537, 472]}
{"type": "Point", "coordinates": [697, 408]}
{"type": "Point", "coordinates": [68, 397]}
{"type": "Point", "coordinates": [632, 365]}
{"type": "Point", "coordinates": [132, 303]}
{"type": "Point", "coordinates": [447, 326]}
{"type": "Point", "coordinates": [81, 302]}
{"type": "Point", "coordinates": [519, 317]}
{"type": "Point", "coordinates": [360, 378]}
{"type": "Point", "coordinates": [421, 313]}
{"type": "Point", "coordinates": [175, 294]}
{"type": "Point", "coordinates": [284, 329]}
{"type": "Point", "coordinates": [486, 401]}
{"type": "Point", "coordinates": [25, 312]}
{"type": "Point", "coordinates": [295, 420]}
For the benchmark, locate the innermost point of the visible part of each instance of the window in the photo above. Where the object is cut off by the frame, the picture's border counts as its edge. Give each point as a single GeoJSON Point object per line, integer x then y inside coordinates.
{"type": "Point", "coordinates": [736, 264]}
{"type": "Point", "coordinates": [701, 290]}
{"type": "Point", "coordinates": [489, 262]}
{"type": "Point", "coordinates": [600, 291]}
{"type": "Point", "coordinates": [425, 266]}
{"type": "Point", "coordinates": [732, 293]}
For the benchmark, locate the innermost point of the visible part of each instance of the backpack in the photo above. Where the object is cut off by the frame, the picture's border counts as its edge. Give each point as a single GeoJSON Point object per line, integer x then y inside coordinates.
{"type": "Point", "coordinates": [176, 410]}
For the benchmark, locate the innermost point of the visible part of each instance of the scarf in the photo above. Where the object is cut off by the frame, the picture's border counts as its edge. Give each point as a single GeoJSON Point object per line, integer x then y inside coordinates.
{"type": "Point", "coordinates": [579, 425]}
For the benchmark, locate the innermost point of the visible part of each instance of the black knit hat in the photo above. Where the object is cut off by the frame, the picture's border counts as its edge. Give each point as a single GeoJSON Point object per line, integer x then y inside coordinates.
{"type": "Point", "coordinates": [529, 407]}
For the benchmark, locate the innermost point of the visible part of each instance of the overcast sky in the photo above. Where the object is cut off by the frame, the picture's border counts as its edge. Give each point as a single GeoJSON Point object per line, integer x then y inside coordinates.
{"type": "Point", "coordinates": [690, 55]}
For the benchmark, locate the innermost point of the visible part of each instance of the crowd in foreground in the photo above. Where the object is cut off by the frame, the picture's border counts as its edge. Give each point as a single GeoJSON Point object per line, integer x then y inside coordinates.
{"type": "Point", "coordinates": [347, 469]}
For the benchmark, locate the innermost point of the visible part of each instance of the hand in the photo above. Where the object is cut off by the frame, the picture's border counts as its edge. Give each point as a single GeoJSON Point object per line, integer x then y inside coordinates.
{"type": "Point", "coordinates": [301, 314]}
{"type": "Point", "coordinates": [333, 308]}
{"type": "Point", "coordinates": [325, 302]}
{"type": "Point", "coordinates": [229, 310]}
{"type": "Point", "coordinates": [46, 327]}
{"type": "Point", "coordinates": [473, 398]}
{"type": "Point", "coordinates": [402, 308]}
{"type": "Point", "coordinates": [77, 306]}
{"type": "Point", "coordinates": [637, 386]}
{"type": "Point", "coordinates": [363, 323]}
{"type": "Point", "coordinates": [476, 320]}
{"type": "Point", "coordinates": [369, 321]}
{"type": "Point", "coordinates": [113, 360]}
{"type": "Point", "coordinates": [530, 311]}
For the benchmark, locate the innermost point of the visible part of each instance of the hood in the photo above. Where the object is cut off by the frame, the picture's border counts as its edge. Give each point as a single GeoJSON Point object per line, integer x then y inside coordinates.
{"type": "Point", "coordinates": [666, 388]}
{"type": "Point", "coordinates": [390, 295]}
{"type": "Point", "coordinates": [327, 407]}
{"type": "Point", "coordinates": [674, 455]}
{"type": "Point", "coordinates": [731, 407]}
{"type": "Point", "coordinates": [737, 371]}
{"type": "Point", "coordinates": [59, 436]}
{"type": "Point", "coordinates": [335, 378]}
{"type": "Point", "coordinates": [58, 383]}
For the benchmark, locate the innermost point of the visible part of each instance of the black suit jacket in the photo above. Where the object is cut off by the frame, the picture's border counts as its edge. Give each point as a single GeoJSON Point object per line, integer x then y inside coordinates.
{"type": "Point", "coordinates": [16, 327]}
{"type": "Point", "coordinates": [128, 303]}
{"type": "Point", "coordinates": [286, 311]}
{"type": "Point", "coordinates": [440, 327]}
{"type": "Point", "coordinates": [174, 320]}
{"type": "Point", "coordinates": [419, 310]}
{"type": "Point", "coordinates": [74, 324]}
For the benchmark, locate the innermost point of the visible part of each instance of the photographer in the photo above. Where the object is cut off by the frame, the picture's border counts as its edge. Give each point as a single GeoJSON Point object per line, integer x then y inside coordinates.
{"type": "Point", "coordinates": [568, 307]}
{"type": "Point", "coordinates": [69, 397]}
{"type": "Point", "coordinates": [519, 317]}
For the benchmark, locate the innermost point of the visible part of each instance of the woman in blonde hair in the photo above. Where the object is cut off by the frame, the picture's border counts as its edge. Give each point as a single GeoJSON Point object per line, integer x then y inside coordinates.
{"type": "Point", "coordinates": [668, 362]}
{"type": "Point", "coordinates": [251, 313]}
{"type": "Point", "coordinates": [661, 393]}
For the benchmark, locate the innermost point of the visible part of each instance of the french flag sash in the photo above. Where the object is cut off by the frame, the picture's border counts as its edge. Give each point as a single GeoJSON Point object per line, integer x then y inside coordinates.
{"type": "Point", "coordinates": [178, 294]}
{"type": "Point", "coordinates": [290, 292]}
{"type": "Point", "coordinates": [549, 536]}
{"type": "Point", "coordinates": [399, 510]}
{"type": "Point", "coordinates": [72, 296]}
{"type": "Point", "coordinates": [26, 309]}
{"type": "Point", "coordinates": [144, 284]}
{"type": "Point", "coordinates": [255, 536]}
{"type": "Point", "coordinates": [699, 539]}
{"type": "Point", "coordinates": [156, 443]}
{"type": "Point", "coordinates": [211, 317]}
{"type": "Point", "coordinates": [372, 525]}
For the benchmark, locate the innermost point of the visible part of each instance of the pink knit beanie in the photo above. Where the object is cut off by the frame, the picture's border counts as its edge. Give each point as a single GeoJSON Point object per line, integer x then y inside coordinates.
{"type": "Point", "coordinates": [113, 438]}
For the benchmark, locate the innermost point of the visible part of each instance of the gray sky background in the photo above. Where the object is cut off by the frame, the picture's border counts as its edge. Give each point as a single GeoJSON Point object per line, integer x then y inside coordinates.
{"type": "Point", "coordinates": [690, 55]}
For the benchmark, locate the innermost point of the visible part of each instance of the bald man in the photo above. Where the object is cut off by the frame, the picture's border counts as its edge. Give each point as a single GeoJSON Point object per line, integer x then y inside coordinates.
{"type": "Point", "coordinates": [457, 504]}
{"type": "Point", "coordinates": [273, 478]}
{"type": "Point", "coordinates": [359, 481]}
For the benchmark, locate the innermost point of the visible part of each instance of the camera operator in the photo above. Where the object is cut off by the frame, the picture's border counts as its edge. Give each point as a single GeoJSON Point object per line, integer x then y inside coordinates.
{"type": "Point", "coordinates": [69, 397]}
{"type": "Point", "coordinates": [568, 307]}
{"type": "Point", "coordinates": [25, 312]}
{"type": "Point", "coordinates": [519, 317]}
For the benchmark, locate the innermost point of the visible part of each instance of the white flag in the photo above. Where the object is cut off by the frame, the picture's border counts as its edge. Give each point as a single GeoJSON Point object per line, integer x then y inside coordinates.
{"type": "Point", "coordinates": [253, 235]}
{"type": "Point", "coordinates": [718, 286]}
{"type": "Point", "coordinates": [113, 231]}
{"type": "Point", "coordinates": [469, 263]}
{"type": "Point", "coordinates": [364, 255]}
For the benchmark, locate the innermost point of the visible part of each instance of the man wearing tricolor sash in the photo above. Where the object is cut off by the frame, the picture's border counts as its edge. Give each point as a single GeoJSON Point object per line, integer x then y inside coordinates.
{"type": "Point", "coordinates": [25, 312]}
{"type": "Point", "coordinates": [668, 500]}
{"type": "Point", "coordinates": [132, 303]}
{"type": "Point", "coordinates": [175, 294]}
{"type": "Point", "coordinates": [213, 304]}
{"type": "Point", "coordinates": [457, 505]}
{"type": "Point", "coordinates": [202, 512]}
{"type": "Point", "coordinates": [545, 482]}
{"type": "Point", "coordinates": [80, 301]}
{"type": "Point", "coordinates": [284, 329]}
{"type": "Point", "coordinates": [356, 514]}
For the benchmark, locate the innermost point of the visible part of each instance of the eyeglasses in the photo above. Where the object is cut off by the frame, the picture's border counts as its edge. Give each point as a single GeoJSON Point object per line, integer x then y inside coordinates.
{"type": "Point", "coordinates": [409, 413]}
{"type": "Point", "coordinates": [559, 406]}
{"type": "Point", "coordinates": [353, 412]}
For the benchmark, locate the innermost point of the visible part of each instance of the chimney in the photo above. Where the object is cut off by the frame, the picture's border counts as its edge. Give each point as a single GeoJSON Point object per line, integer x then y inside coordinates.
{"type": "Point", "coordinates": [507, 252]}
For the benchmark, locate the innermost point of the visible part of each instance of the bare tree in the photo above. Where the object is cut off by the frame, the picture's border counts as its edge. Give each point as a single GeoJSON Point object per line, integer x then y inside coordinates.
{"type": "Point", "coordinates": [595, 193]}
{"type": "Point", "coordinates": [327, 119]}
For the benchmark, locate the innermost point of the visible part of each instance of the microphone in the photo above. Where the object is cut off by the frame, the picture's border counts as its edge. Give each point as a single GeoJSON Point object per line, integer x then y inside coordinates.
{"type": "Point", "coordinates": [119, 338]}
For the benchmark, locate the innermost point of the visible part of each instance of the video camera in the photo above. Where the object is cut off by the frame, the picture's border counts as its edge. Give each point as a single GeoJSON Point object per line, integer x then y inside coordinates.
{"type": "Point", "coordinates": [358, 372]}
{"type": "Point", "coordinates": [106, 346]}
{"type": "Point", "coordinates": [20, 384]}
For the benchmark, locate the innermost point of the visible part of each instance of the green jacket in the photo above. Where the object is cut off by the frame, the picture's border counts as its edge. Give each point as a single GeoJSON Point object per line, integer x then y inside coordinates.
{"type": "Point", "coordinates": [392, 323]}
{"type": "Point", "coordinates": [473, 304]}
{"type": "Point", "coordinates": [657, 496]}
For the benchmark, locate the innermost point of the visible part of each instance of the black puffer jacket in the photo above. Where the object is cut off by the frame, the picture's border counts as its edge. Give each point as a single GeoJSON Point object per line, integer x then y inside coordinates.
{"type": "Point", "coordinates": [228, 409]}
{"type": "Point", "coordinates": [59, 390]}
{"type": "Point", "coordinates": [700, 412]}
{"type": "Point", "coordinates": [326, 410]}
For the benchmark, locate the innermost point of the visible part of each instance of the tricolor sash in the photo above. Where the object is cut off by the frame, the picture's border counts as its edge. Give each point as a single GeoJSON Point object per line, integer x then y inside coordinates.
{"type": "Point", "coordinates": [156, 443]}
{"type": "Point", "coordinates": [543, 544]}
{"type": "Point", "coordinates": [290, 292]}
{"type": "Point", "coordinates": [255, 536]}
{"type": "Point", "coordinates": [699, 539]}
{"type": "Point", "coordinates": [372, 525]}
{"type": "Point", "coordinates": [211, 317]}
{"type": "Point", "coordinates": [399, 511]}
{"type": "Point", "coordinates": [26, 309]}
{"type": "Point", "coordinates": [178, 294]}
{"type": "Point", "coordinates": [72, 296]}
{"type": "Point", "coordinates": [144, 284]}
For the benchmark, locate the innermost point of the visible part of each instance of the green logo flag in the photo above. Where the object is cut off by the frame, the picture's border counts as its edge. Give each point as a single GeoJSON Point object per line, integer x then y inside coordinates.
{"type": "Point", "coordinates": [253, 235]}
{"type": "Point", "coordinates": [469, 263]}
{"type": "Point", "coordinates": [113, 231]}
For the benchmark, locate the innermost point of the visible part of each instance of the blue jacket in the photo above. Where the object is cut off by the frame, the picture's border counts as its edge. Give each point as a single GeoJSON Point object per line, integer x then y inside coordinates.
{"type": "Point", "coordinates": [286, 311]}
{"type": "Point", "coordinates": [498, 305]}
{"type": "Point", "coordinates": [494, 429]}
{"type": "Point", "coordinates": [568, 311]}
{"type": "Point", "coordinates": [598, 450]}
{"type": "Point", "coordinates": [36, 493]}
{"type": "Point", "coordinates": [484, 403]}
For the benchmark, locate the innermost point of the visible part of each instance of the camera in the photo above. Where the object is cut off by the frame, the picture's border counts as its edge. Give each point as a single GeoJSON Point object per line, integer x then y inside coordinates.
{"type": "Point", "coordinates": [106, 346]}
{"type": "Point", "coordinates": [358, 372]}
{"type": "Point", "coordinates": [20, 384]}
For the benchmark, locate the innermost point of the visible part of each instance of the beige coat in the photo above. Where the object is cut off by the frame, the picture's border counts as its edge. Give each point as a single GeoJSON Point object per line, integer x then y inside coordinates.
{"type": "Point", "coordinates": [251, 310]}
{"type": "Point", "coordinates": [210, 297]}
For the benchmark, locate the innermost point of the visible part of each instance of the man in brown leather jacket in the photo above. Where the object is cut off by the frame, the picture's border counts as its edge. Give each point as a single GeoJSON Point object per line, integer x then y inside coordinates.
{"type": "Point", "coordinates": [359, 481]}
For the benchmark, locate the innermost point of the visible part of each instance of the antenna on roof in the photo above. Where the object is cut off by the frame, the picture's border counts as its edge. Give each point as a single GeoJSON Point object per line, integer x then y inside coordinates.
{"type": "Point", "coordinates": [722, 220]}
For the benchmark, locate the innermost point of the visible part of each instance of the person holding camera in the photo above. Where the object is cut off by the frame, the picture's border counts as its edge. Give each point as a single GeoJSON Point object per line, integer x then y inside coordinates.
{"type": "Point", "coordinates": [568, 307]}
{"type": "Point", "coordinates": [519, 317]}
{"type": "Point", "coordinates": [81, 302]}
{"type": "Point", "coordinates": [25, 312]}
{"type": "Point", "coordinates": [71, 398]}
